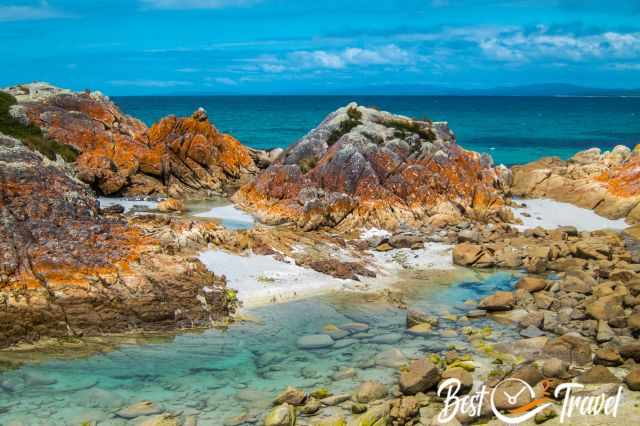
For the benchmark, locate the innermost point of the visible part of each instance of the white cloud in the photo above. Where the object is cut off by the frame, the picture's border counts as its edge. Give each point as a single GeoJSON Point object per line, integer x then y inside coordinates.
{"type": "Point", "coordinates": [334, 60]}
{"type": "Point", "coordinates": [29, 13]}
{"type": "Point", "coordinates": [518, 46]}
{"type": "Point", "coordinates": [150, 83]}
{"type": "Point", "coordinates": [226, 81]}
{"type": "Point", "coordinates": [317, 59]}
{"type": "Point", "coordinates": [196, 4]}
{"type": "Point", "coordinates": [273, 68]}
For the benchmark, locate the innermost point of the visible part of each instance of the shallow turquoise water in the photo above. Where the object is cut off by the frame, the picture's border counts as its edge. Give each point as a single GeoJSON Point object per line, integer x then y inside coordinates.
{"type": "Point", "coordinates": [511, 129]}
{"type": "Point", "coordinates": [225, 374]}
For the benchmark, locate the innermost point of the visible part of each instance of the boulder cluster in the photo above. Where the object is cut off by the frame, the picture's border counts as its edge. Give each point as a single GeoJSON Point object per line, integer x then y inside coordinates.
{"type": "Point", "coordinates": [118, 154]}
{"type": "Point", "coordinates": [68, 269]}
{"type": "Point", "coordinates": [362, 166]}
{"type": "Point", "coordinates": [606, 182]}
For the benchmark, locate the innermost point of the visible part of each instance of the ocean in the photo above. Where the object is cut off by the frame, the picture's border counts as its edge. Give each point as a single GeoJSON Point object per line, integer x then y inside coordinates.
{"type": "Point", "coordinates": [512, 129]}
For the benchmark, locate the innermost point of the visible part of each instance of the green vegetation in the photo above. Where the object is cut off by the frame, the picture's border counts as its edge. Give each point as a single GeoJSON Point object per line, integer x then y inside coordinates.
{"type": "Point", "coordinates": [354, 114]}
{"type": "Point", "coordinates": [403, 127]}
{"type": "Point", "coordinates": [353, 120]}
{"type": "Point", "coordinates": [264, 279]}
{"type": "Point", "coordinates": [377, 139]}
{"type": "Point", "coordinates": [31, 135]}
{"type": "Point", "coordinates": [307, 164]}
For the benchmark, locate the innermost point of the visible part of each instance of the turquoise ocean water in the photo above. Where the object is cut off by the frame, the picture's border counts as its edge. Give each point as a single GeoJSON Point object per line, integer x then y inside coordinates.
{"type": "Point", "coordinates": [512, 129]}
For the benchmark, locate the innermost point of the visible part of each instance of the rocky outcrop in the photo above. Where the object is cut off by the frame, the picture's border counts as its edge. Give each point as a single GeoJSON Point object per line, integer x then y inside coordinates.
{"type": "Point", "coordinates": [65, 269]}
{"type": "Point", "coordinates": [608, 183]}
{"type": "Point", "coordinates": [118, 154]}
{"type": "Point", "coordinates": [362, 166]}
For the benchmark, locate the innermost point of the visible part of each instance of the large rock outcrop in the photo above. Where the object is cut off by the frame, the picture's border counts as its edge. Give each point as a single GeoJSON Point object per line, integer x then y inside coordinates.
{"type": "Point", "coordinates": [118, 154]}
{"type": "Point", "coordinates": [362, 166]}
{"type": "Point", "coordinates": [608, 183]}
{"type": "Point", "coordinates": [67, 270]}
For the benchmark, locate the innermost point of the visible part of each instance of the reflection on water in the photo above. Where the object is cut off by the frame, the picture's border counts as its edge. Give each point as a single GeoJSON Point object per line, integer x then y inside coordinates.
{"type": "Point", "coordinates": [214, 208]}
{"type": "Point", "coordinates": [220, 374]}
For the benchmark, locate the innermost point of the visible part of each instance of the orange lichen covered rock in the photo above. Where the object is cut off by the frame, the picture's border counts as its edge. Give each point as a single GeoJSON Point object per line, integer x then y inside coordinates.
{"type": "Point", "coordinates": [180, 157]}
{"type": "Point", "coordinates": [361, 166]}
{"type": "Point", "coordinates": [608, 183]}
{"type": "Point", "coordinates": [67, 270]}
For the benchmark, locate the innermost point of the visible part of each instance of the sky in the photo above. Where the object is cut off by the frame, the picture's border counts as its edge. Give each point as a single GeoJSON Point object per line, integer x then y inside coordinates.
{"type": "Point", "coordinates": [142, 47]}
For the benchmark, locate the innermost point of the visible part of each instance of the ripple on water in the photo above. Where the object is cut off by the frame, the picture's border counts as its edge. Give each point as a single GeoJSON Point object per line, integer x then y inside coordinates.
{"type": "Point", "coordinates": [220, 374]}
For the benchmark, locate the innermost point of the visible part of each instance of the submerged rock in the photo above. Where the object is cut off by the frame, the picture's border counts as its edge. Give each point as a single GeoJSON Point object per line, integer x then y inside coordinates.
{"type": "Point", "coordinates": [315, 341]}
{"type": "Point", "coordinates": [370, 391]}
{"type": "Point", "coordinates": [144, 408]}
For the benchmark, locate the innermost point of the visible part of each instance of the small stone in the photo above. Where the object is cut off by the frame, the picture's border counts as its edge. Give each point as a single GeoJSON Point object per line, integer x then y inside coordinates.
{"type": "Point", "coordinates": [597, 374]}
{"type": "Point", "coordinates": [384, 247]}
{"type": "Point", "coordinates": [171, 205]}
{"type": "Point", "coordinates": [609, 357]}
{"type": "Point", "coordinates": [335, 399]}
{"type": "Point", "coordinates": [424, 329]}
{"type": "Point", "coordinates": [421, 376]}
{"type": "Point", "coordinates": [569, 348]}
{"type": "Point", "coordinates": [310, 407]}
{"type": "Point", "coordinates": [531, 331]}
{"type": "Point", "coordinates": [415, 317]}
{"type": "Point", "coordinates": [500, 301]}
{"type": "Point", "coordinates": [554, 368]}
{"type": "Point", "coordinates": [531, 284]}
{"type": "Point", "coordinates": [320, 393]}
{"type": "Point", "coordinates": [370, 391]}
{"type": "Point", "coordinates": [633, 379]}
{"type": "Point", "coordinates": [282, 415]}
{"type": "Point", "coordinates": [604, 333]}
{"type": "Point", "coordinates": [463, 376]}
{"type": "Point", "coordinates": [291, 396]}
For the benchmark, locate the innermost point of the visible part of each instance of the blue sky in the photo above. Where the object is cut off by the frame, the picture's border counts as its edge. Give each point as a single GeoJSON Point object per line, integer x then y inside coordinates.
{"type": "Point", "coordinates": [277, 46]}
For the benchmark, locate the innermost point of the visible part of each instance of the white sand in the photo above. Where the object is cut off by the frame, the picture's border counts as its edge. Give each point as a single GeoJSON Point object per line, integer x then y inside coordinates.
{"type": "Point", "coordinates": [552, 214]}
{"type": "Point", "coordinates": [262, 279]}
{"type": "Point", "coordinates": [230, 216]}
{"type": "Point", "coordinates": [127, 204]}
{"type": "Point", "coordinates": [374, 232]}
{"type": "Point", "coordinates": [433, 256]}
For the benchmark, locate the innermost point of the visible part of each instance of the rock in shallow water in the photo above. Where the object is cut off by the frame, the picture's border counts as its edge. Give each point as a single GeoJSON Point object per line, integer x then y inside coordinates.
{"type": "Point", "coordinates": [315, 341]}
{"type": "Point", "coordinates": [143, 408]}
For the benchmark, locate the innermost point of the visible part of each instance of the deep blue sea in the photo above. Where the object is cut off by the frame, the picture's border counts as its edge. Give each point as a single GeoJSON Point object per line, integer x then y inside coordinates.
{"type": "Point", "coordinates": [511, 129]}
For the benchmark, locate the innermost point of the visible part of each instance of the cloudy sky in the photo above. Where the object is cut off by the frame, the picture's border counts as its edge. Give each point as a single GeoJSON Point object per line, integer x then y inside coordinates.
{"type": "Point", "coordinates": [295, 46]}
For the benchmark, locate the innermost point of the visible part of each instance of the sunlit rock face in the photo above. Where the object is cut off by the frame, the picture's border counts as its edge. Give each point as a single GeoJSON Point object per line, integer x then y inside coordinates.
{"type": "Point", "coordinates": [606, 182]}
{"type": "Point", "coordinates": [118, 154]}
{"type": "Point", "coordinates": [362, 166]}
{"type": "Point", "coordinates": [66, 270]}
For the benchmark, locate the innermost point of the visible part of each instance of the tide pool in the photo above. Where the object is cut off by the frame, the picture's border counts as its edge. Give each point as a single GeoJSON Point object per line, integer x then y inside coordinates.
{"type": "Point", "coordinates": [219, 375]}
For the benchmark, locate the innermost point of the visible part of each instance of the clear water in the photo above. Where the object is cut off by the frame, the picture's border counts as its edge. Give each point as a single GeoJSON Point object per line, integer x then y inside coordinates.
{"type": "Point", "coordinates": [511, 129]}
{"type": "Point", "coordinates": [223, 374]}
